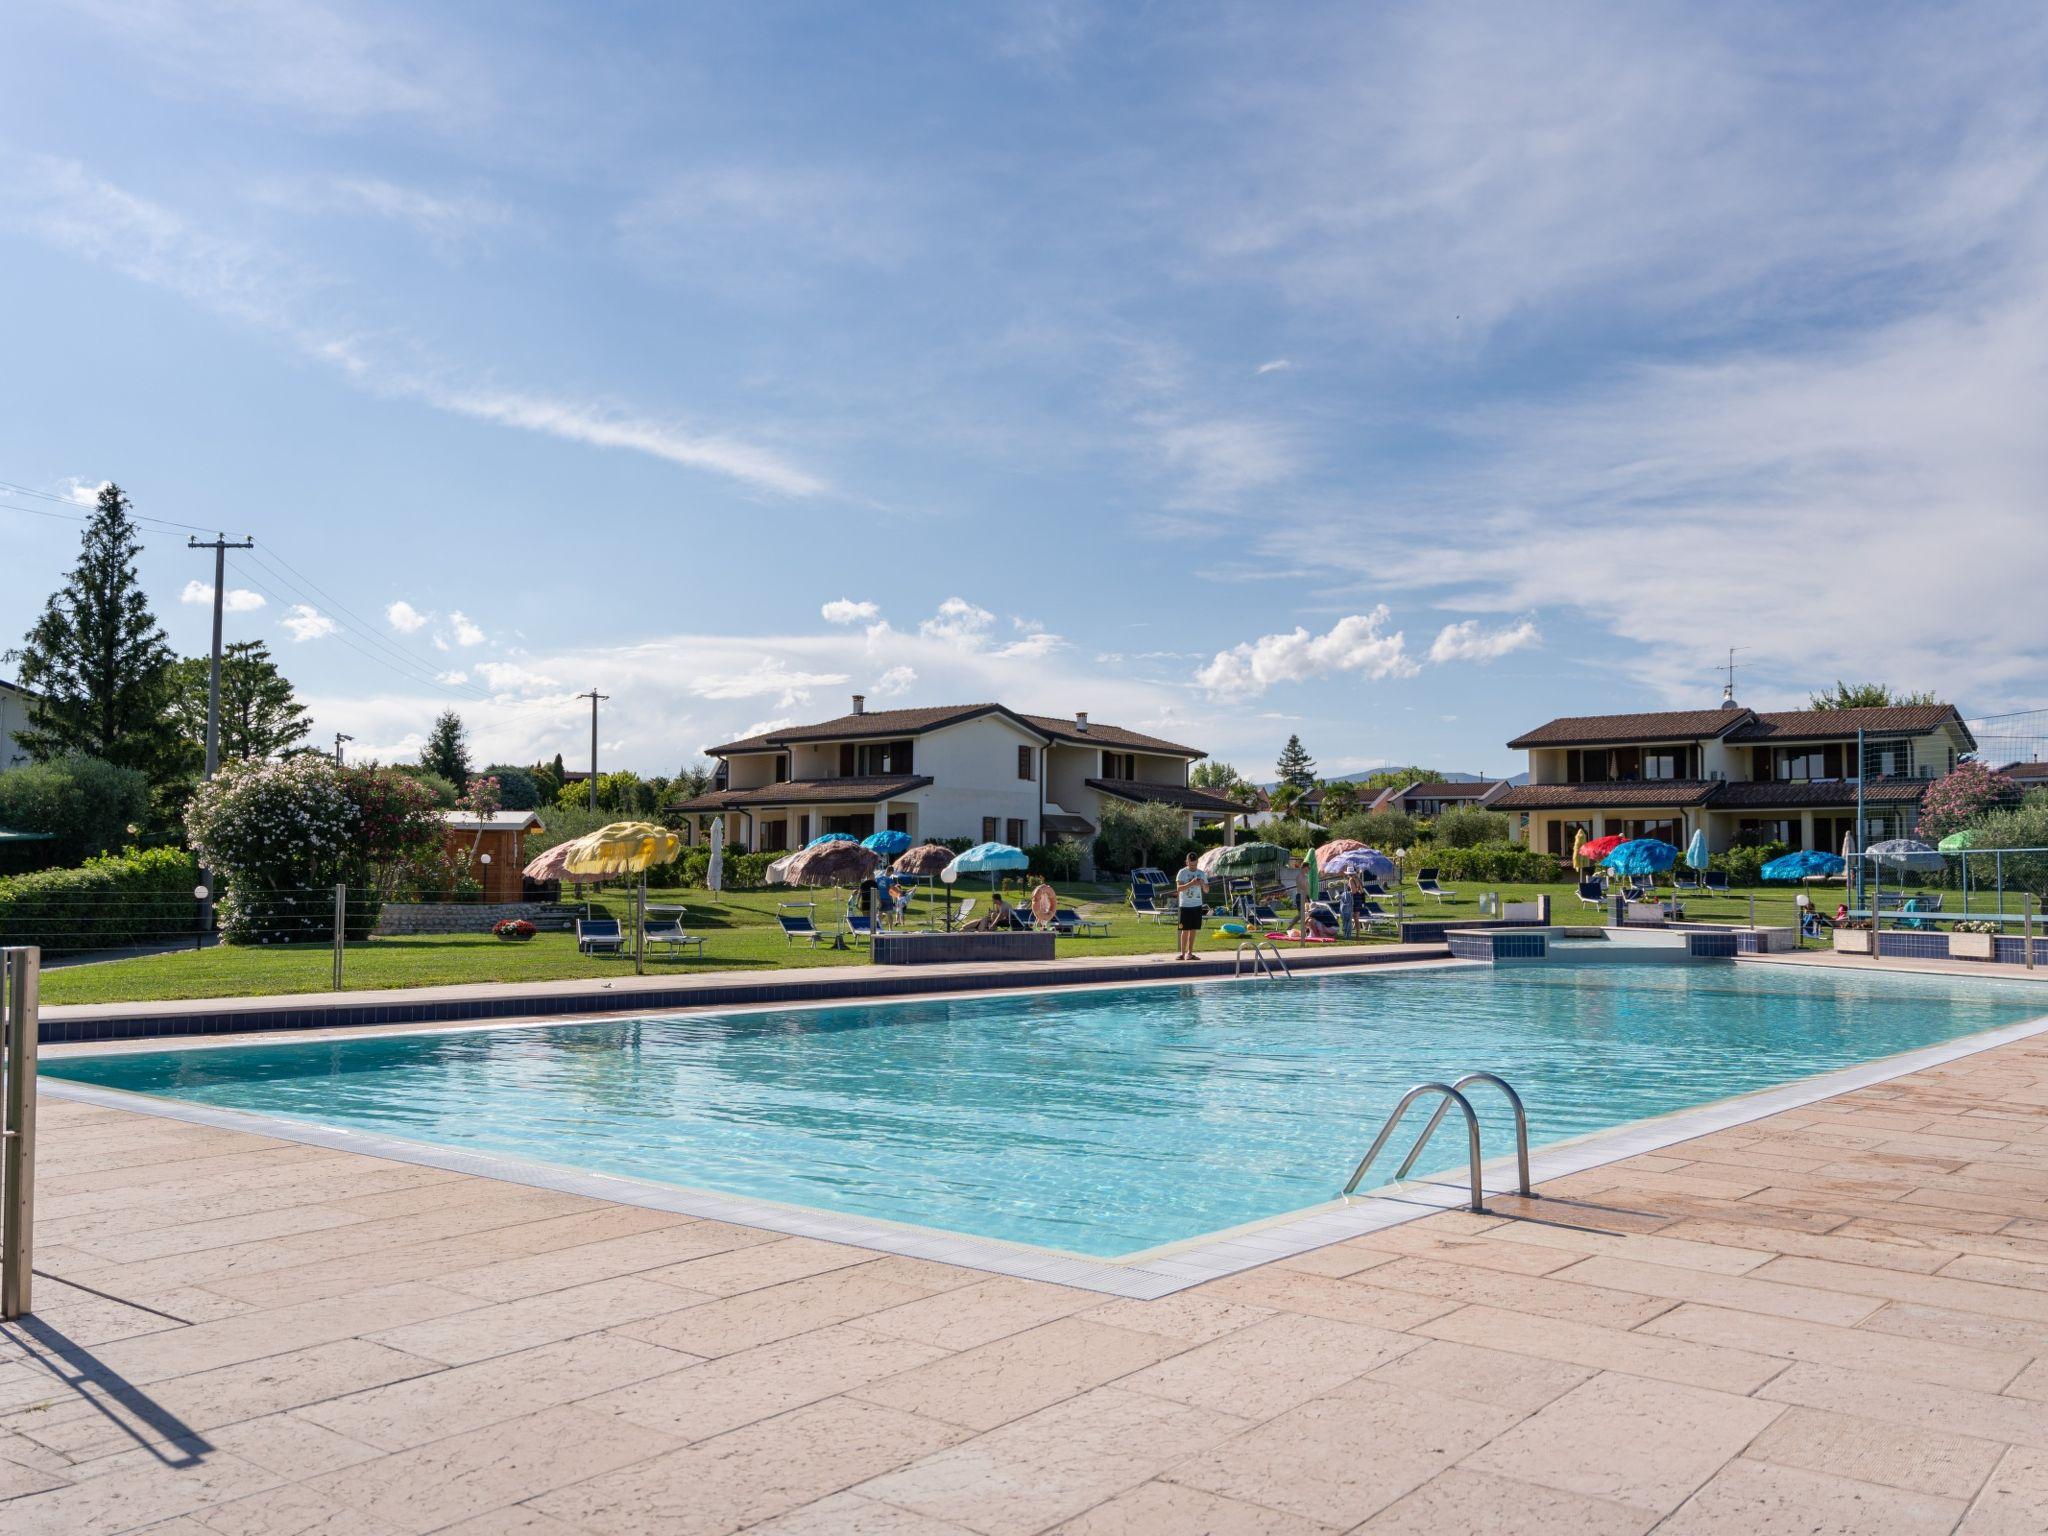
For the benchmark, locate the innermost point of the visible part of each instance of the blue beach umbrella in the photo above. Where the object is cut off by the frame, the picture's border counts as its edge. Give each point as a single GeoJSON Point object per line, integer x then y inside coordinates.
{"type": "Point", "coordinates": [990, 859]}
{"type": "Point", "coordinates": [1641, 856]}
{"type": "Point", "coordinates": [887, 844]}
{"type": "Point", "coordinates": [1801, 865]}
{"type": "Point", "coordinates": [831, 837]}
{"type": "Point", "coordinates": [1368, 862]}
{"type": "Point", "coordinates": [1696, 850]}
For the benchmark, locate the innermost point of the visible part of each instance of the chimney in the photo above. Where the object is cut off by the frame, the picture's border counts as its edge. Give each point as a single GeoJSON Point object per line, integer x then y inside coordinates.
{"type": "Point", "coordinates": [1080, 719]}
{"type": "Point", "coordinates": [860, 703]}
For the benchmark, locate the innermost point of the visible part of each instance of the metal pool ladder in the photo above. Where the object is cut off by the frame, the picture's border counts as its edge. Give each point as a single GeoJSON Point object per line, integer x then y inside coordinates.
{"type": "Point", "coordinates": [1447, 1095]}
{"type": "Point", "coordinates": [1260, 967]}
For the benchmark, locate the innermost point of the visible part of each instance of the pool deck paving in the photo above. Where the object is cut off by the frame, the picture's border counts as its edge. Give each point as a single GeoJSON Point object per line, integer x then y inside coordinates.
{"type": "Point", "coordinates": [1831, 1319]}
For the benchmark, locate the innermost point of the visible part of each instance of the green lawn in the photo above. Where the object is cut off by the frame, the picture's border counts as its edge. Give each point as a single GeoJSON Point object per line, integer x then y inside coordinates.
{"type": "Point", "coordinates": [740, 933]}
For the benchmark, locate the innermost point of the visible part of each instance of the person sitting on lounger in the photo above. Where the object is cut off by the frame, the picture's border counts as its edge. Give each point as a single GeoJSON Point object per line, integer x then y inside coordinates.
{"type": "Point", "coordinates": [997, 919]}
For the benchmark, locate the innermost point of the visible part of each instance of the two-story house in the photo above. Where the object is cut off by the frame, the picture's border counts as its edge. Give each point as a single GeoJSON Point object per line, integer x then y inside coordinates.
{"type": "Point", "coordinates": [1742, 775]}
{"type": "Point", "coordinates": [981, 771]}
{"type": "Point", "coordinates": [1431, 799]}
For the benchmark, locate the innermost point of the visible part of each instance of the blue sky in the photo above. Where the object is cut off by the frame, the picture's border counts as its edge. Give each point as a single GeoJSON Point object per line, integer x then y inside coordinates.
{"type": "Point", "coordinates": [1398, 375]}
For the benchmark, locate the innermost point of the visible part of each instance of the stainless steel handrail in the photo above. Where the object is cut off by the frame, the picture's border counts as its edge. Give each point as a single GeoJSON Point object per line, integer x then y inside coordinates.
{"type": "Point", "coordinates": [20, 974]}
{"type": "Point", "coordinates": [1259, 965]}
{"type": "Point", "coordinates": [1450, 1096]}
{"type": "Point", "coordinates": [1521, 1128]}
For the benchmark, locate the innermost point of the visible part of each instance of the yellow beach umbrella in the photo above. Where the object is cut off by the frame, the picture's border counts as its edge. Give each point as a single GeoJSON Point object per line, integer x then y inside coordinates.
{"type": "Point", "coordinates": [1578, 842]}
{"type": "Point", "coordinates": [625, 848]}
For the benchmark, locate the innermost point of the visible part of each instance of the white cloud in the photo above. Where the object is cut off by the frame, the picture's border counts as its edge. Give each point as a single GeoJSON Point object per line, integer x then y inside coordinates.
{"type": "Point", "coordinates": [958, 622]}
{"type": "Point", "coordinates": [790, 686]}
{"type": "Point", "coordinates": [82, 493]}
{"type": "Point", "coordinates": [895, 681]}
{"type": "Point", "coordinates": [306, 622]}
{"type": "Point", "coordinates": [844, 610]}
{"type": "Point", "coordinates": [1277, 365]}
{"type": "Point", "coordinates": [1356, 643]}
{"type": "Point", "coordinates": [509, 677]}
{"type": "Point", "coordinates": [453, 678]}
{"type": "Point", "coordinates": [233, 600]}
{"type": "Point", "coordinates": [464, 629]}
{"type": "Point", "coordinates": [405, 618]}
{"type": "Point", "coordinates": [1466, 641]}
{"type": "Point", "coordinates": [1031, 646]}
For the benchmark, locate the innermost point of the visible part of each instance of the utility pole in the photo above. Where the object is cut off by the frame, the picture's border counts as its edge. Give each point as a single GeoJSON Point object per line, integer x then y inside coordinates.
{"type": "Point", "coordinates": [339, 738]}
{"type": "Point", "coordinates": [593, 696]}
{"type": "Point", "coordinates": [220, 546]}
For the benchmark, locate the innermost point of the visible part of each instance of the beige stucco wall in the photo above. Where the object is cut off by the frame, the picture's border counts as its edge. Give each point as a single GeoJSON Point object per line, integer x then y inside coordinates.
{"type": "Point", "coordinates": [13, 718]}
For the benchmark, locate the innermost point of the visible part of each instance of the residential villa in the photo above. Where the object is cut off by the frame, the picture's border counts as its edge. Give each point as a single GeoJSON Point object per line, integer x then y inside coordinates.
{"type": "Point", "coordinates": [1744, 776]}
{"type": "Point", "coordinates": [1430, 800]}
{"type": "Point", "coordinates": [980, 771]}
{"type": "Point", "coordinates": [2030, 775]}
{"type": "Point", "coordinates": [14, 702]}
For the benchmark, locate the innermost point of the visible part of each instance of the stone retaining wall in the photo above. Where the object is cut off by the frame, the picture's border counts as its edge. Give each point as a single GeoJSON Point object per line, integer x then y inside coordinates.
{"type": "Point", "coordinates": [400, 917]}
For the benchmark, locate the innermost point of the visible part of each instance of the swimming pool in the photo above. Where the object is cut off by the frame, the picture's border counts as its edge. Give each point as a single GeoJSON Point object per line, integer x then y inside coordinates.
{"type": "Point", "coordinates": [1098, 1122]}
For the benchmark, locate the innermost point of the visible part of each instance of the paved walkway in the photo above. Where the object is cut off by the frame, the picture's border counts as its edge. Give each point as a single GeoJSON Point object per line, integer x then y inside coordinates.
{"type": "Point", "coordinates": [1833, 1320]}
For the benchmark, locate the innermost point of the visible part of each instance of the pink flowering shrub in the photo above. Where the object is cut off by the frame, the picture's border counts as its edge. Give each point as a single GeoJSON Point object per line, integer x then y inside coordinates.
{"type": "Point", "coordinates": [1959, 798]}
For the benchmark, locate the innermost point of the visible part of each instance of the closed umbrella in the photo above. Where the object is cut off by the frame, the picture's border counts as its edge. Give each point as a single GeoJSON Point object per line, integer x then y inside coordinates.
{"type": "Point", "coordinates": [1696, 850]}
{"type": "Point", "coordinates": [1579, 848]}
{"type": "Point", "coordinates": [1848, 857]}
{"type": "Point", "coordinates": [626, 848]}
{"type": "Point", "coordinates": [714, 872]}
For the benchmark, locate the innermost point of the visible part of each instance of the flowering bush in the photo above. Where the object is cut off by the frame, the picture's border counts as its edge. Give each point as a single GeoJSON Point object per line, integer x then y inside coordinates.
{"type": "Point", "coordinates": [1960, 797]}
{"type": "Point", "coordinates": [280, 836]}
{"type": "Point", "coordinates": [516, 929]}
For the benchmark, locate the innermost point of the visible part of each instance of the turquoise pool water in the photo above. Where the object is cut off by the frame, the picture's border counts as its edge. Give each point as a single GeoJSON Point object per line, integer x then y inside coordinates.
{"type": "Point", "coordinates": [1102, 1122]}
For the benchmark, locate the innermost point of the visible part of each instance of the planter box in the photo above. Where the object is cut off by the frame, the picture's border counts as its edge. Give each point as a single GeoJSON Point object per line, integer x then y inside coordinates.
{"type": "Point", "coordinates": [1972, 946]}
{"type": "Point", "coordinates": [1852, 941]}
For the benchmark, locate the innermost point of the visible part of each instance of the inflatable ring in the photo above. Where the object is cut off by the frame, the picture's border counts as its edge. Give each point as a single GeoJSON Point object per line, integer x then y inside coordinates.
{"type": "Point", "coordinates": [1235, 930]}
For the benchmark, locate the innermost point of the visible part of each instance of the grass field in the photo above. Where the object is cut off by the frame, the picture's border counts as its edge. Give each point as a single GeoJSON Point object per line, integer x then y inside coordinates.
{"type": "Point", "coordinates": [740, 934]}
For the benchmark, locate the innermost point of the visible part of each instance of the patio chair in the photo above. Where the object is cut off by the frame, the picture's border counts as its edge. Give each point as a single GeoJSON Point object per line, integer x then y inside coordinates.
{"type": "Point", "coordinates": [1426, 883]}
{"type": "Point", "coordinates": [670, 932]}
{"type": "Point", "coordinates": [1592, 894]}
{"type": "Point", "coordinates": [795, 918]}
{"type": "Point", "coordinates": [1143, 904]}
{"type": "Point", "coordinates": [1066, 922]}
{"type": "Point", "coordinates": [599, 933]}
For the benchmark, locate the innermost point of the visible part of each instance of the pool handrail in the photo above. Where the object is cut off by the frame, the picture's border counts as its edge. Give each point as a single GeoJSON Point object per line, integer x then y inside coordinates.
{"type": "Point", "coordinates": [1451, 1096]}
{"type": "Point", "coordinates": [1521, 1128]}
{"type": "Point", "coordinates": [1259, 966]}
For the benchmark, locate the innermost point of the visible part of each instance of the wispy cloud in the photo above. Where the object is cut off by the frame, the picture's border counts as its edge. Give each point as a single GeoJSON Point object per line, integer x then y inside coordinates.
{"type": "Point", "coordinates": [844, 610]}
{"type": "Point", "coordinates": [1467, 641]}
{"type": "Point", "coordinates": [233, 600]}
{"type": "Point", "coordinates": [1277, 365]}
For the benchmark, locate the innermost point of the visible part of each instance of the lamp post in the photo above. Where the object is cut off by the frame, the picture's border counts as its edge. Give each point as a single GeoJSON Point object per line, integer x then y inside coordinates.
{"type": "Point", "coordinates": [199, 894]}
{"type": "Point", "coordinates": [1400, 887]}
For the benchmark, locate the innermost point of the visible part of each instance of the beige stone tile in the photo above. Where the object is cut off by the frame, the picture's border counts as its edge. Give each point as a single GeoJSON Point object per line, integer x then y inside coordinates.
{"type": "Point", "coordinates": [1762, 1499]}
{"type": "Point", "coordinates": [1186, 1315]}
{"type": "Point", "coordinates": [1344, 1301]}
{"type": "Point", "coordinates": [848, 1514]}
{"type": "Point", "coordinates": [735, 1390]}
{"type": "Point", "coordinates": [286, 1511]}
{"type": "Point", "coordinates": [759, 1265]}
{"type": "Point", "coordinates": [1899, 1455]}
{"type": "Point", "coordinates": [1154, 1509]}
{"type": "Point", "coordinates": [219, 1232]}
{"type": "Point", "coordinates": [1340, 1460]}
{"type": "Point", "coordinates": [1463, 1500]}
{"type": "Point", "coordinates": [1979, 1332]}
{"type": "Point", "coordinates": [1482, 1375]}
{"type": "Point", "coordinates": [1607, 1349]}
{"type": "Point", "coordinates": [1928, 1290]}
{"type": "Point", "coordinates": [132, 1490]}
{"type": "Point", "coordinates": [1581, 1301]}
{"type": "Point", "coordinates": [514, 1520]}
{"type": "Point", "coordinates": [1339, 1261]}
{"type": "Point", "coordinates": [977, 1314]}
{"type": "Point", "coordinates": [1273, 1366]}
{"type": "Point", "coordinates": [484, 1469]}
{"type": "Point", "coordinates": [289, 1446]}
{"type": "Point", "coordinates": [925, 1275]}
{"type": "Point", "coordinates": [1485, 1250]}
{"type": "Point", "coordinates": [994, 1383]}
{"type": "Point", "coordinates": [733, 1323]}
{"type": "Point", "coordinates": [2012, 1501]}
{"type": "Point", "coordinates": [507, 1386]}
{"type": "Point", "coordinates": [19, 1478]}
{"type": "Point", "coordinates": [491, 1330]}
{"type": "Point", "coordinates": [537, 1274]}
{"type": "Point", "coordinates": [1743, 1293]}
{"type": "Point", "coordinates": [1952, 1365]}
{"type": "Point", "coordinates": [1732, 1252]}
{"type": "Point", "coordinates": [751, 1474]}
{"type": "Point", "coordinates": [1055, 1464]}
{"type": "Point", "coordinates": [2031, 1276]}
{"type": "Point", "coordinates": [1984, 1415]}
{"type": "Point", "coordinates": [1629, 1439]}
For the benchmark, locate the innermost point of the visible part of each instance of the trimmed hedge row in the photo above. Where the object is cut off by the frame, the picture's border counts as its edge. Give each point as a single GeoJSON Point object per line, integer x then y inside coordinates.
{"type": "Point", "coordinates": [118, 898]}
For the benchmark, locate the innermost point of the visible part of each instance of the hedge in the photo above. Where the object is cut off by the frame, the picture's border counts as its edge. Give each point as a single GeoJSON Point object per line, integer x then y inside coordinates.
{"type": "Point", "coordinates": [1508, 863]}
{"type": "Point", "coordinates": [112, 900]}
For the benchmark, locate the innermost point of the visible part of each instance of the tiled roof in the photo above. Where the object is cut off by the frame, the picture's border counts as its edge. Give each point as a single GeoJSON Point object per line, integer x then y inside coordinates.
{"type": "Point", "coordinates": [2026, 772]}
{"type": "Point", "coordinates": [1819, 792]}
{"type": "Point", "coordinates": [1186, 796]}
{"type": "Point", "coordinates": [876, 724]}
{"type": "Point", "coordinates": [1591, 797]}
{"type": "Point", "coordinates": [1604, 730]}
{"type": "Point", "coordinates": [1809, 724]}
{"type": "Point", "coordinates": [848, 791]}
{"type": "Point", "coordinates": [1462, 790]}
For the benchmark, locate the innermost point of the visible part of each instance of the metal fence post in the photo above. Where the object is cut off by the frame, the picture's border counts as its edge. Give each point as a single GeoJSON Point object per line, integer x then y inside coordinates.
{"type": "Point", "coordinates": [340, 929]}
{"type": "Point", "coordinates": [19, 1006]}
{"type": "Point", "coordinates": [2027, 934]}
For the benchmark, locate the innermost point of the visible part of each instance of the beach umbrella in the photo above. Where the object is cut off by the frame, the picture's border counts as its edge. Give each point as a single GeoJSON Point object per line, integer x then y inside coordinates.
{"type": "Point", "coordinates": [1596, 851]}
{"type": "Point", "coordinates": [552, 864]}
{"type": "Point", "coordinates": [1579, 849]}
{"type": "Point", "coordinates": [626, 848]}
{"type": "Point", "coordinates": [831, 837]}
{"type": "Point", "coordinates": [1244, 859]}
{"type": "Point", "coordinates": [1369, 862]}
{"type": "Point", "coordinates": [1641, 856]}
{"type": "Point", "coordinates": [1848, 856]}
{"type": "Point", "coordinates": [1331, 849]}
{"type": "Point", "coordinates": [1908, 853]}
{"type": "Point", "coordinates": [838, 863]}
{"type": "Point", "coordinates": [923, 861]}
{"type": "Point", "coordinates": [1958, 842]}
{"type": "Point", "coordinates": [991, 859]}
{"type": "Point", "coordinates": [1696, 850]}
{"type": "Point", "coordinates": [714, 872]}
{"type": "Point", "coordinates": [887, 844]}
{"type": "Point", "coordinates": [1802, 865]}
{"type": "Point", "coordinates": [777, 873]}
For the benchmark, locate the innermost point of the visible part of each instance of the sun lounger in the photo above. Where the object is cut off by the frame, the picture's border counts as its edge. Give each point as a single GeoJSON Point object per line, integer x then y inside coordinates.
{"type": "Point", "coordinates": [1714, 881]}
{"type": "Point", "coordinates": [1067, 922]}
{"type": "Point", "coordinates": [671, 933]}
{"type": "Point", "coordinates": [599, 933]}
{"type": "Point", "coordinates": [1592, 894]}
{"type": "Point", "coordinates": [1143, 904]}
{"type": "Point", "coordinates": [1426, 883]}
{"type": "Point", "coordinates": [796, 921]}
{"type": "Point", "coordinates": [860, 926]}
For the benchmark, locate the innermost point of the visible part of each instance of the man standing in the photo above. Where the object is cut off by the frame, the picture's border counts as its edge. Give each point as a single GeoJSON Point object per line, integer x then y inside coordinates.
{"type": "Point", "coordinates": [1191, 886]}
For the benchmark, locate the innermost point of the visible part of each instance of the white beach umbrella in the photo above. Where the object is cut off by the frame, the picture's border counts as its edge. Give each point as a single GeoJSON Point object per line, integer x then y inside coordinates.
{"type": "Point", "coordinates": [714, 872]}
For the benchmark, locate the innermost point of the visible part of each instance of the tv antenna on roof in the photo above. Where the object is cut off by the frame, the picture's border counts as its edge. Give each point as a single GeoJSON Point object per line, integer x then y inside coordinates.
{"type": "Point", "coordinates": [1728, 688]}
